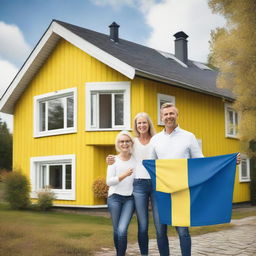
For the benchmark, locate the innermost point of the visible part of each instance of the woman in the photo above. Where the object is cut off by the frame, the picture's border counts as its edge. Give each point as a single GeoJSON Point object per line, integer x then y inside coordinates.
{"type": "Point", "coordinates": [142, 187]}
{"type": "Point", "coordinates": [120, 199]}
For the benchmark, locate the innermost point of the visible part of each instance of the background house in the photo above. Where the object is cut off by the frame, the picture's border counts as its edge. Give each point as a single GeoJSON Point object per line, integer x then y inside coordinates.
{"type": "Point", "coordinates": [78, 88]}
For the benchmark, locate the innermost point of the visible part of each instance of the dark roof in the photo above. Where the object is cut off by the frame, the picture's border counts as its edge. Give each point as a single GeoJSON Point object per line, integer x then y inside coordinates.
{"type": "Point", "coordinates": [150, 61]}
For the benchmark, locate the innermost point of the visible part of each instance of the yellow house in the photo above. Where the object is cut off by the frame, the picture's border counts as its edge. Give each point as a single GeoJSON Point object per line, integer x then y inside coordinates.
{"type": "Point", "coordinates": [78, 88]}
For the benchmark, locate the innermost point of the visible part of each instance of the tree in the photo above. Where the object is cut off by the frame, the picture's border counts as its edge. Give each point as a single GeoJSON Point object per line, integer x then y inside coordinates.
{"type": "Point", "coordinates": [233, 51]}
{"type": "Point", "coordinates": [5, 147]}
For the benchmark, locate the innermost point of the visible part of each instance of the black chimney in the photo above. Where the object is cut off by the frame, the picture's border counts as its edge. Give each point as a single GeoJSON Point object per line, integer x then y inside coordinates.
{"type": "Point", "coordinates": [181, 47]}
{"type": "Point", "coordinates": [114, 32]}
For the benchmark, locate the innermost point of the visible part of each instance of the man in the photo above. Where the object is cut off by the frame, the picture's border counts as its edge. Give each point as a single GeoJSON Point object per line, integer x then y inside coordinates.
{"type": "Point", "coordinates": [174, 143]}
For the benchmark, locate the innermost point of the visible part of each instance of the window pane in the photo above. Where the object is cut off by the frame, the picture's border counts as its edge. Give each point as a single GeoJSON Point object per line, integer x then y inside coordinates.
{"type": "Point", "coordinates": [230, 122]}
{"type": "Point", "coordinates": [70, 112]}
{"type": "Point", "coordinates": [55, 114]}
{"type": "Point", "coordinates": [119, 109]}
{"type": "Point", "coordinates": [68, 177]}
{"type": "Point", "coordinates": [55, 176]}
{"type": "Point", "coordinates": [236, 118]}
{"type": "Point", "coordinates": [42, 116]}
{"type": "Point", "coordinates": [244, 169]}
{"type": "Point", "coordinates": [42, 176]}
{"type": "Point", "coordinates": [93, 109]}
{"type": "Point", "coordinates": [105, 110]}
{"type": "Point", "coordinates": [162, 102]}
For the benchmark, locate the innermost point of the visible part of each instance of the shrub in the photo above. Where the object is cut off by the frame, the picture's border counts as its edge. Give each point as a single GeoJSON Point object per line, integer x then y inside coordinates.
{"type": "Point", "coordinates": [17, 189]}
{"type": "Point", "coordinates": [100, 188]}
{"type": "Point", "coordinates": [45, 199]}
{"type": "Point", "coordinates": [3, 173]}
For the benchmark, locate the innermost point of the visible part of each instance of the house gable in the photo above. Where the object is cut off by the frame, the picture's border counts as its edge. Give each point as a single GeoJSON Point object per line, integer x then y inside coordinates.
{"type": "Point", "coordinates": [43, 50]}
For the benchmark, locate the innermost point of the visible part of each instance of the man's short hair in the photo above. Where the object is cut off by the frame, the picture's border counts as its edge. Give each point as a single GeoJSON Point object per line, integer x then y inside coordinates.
{"type": "Point", "coordinates": [169, 105]}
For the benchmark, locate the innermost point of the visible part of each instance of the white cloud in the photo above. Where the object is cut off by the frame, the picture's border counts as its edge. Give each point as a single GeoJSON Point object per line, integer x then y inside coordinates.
{"type": "Point", "coordinates": [7, 73]}
{"type": "Point", "coordinates": [8, 119]}
{"type": "Point", "coordinates": [13, 46]}
{"type": "Point", "coordinates": [142, 5]}
{"type": "Point", "coordinates": [192, 17]}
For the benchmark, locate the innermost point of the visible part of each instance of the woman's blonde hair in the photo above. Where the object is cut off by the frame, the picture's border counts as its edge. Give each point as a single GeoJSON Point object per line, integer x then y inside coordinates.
{"type": "Point", "coordinates": [118, 137]}
{"type": "Point", "coordinates": [151, 129]}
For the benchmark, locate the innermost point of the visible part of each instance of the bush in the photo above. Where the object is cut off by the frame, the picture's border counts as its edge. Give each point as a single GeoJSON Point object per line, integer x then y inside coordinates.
{"type": "Point", "coordinates": [45, 199]}
{"type": "Point", "coordinates": [100, 188]}
{"type": "Point", "coordinates": [3, 173]}
{"type": "Point", "coordinates": [17, 190]}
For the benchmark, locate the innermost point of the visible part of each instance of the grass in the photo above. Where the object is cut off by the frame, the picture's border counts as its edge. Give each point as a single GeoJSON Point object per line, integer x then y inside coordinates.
{"type": "Point", "coordinates": [1, 191]}
{"type": "Point", "coordinates": [57, 233]}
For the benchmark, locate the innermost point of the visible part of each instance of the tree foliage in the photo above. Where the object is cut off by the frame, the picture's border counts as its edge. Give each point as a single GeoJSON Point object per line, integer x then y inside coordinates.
{"type": "Point", "coordinates": [233, 51]}
{"type": "Point", "coordinates": [5, 147]}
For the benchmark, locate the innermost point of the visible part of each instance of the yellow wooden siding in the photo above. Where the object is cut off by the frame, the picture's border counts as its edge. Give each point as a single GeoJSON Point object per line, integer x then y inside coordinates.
{"type": "Point", "coordinates": [69, 67]}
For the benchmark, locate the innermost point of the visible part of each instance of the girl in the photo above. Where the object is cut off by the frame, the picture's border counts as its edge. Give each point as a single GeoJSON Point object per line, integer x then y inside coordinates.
{"type": "Point", "coordinates": [120, 199]}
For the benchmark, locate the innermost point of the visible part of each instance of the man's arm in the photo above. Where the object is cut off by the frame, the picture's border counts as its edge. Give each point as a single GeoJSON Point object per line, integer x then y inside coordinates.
{"type": "Point", "coordinates": [195, 150]}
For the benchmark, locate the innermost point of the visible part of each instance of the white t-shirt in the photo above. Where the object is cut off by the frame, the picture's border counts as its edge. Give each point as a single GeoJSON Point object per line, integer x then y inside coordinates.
{"type": "Point", "coordinates": [178, 144]}
{"type": "Point", "coordinates": [141, 152]}
{"type": "Point", "coordinates": [124, 187]}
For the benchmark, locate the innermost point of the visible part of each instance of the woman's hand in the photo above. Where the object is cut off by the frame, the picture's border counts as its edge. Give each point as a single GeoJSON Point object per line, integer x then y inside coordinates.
{"type": "Point", "coordinates": [127, 173]}
{"type": "Point", "coordinates": [110, 159]}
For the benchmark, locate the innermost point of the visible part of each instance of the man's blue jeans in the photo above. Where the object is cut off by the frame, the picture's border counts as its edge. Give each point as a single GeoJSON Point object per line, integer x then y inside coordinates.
{"type": "Point", "coordinates": [121, 209]}
{"type": "Point", "coordinates": [143, 191]}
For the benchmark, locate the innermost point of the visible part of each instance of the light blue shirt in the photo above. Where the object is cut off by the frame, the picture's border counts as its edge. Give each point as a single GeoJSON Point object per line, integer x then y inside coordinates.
{"type": "Point", "coordinates": [176, 145]}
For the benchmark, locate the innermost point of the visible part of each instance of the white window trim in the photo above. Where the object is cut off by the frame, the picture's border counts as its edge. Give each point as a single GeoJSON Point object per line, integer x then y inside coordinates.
{"type": "Point", "coordinates": [247, 179]}
{"type": "Point", "coordinates": [49, 96]}
{"type": "Point", "coordinates": [59, 193]}
{"type": "Point", "coordinates": [108, 87]}
{"type": "Point", "coordinates": [167, 98]}
{"type": "Point", "coordinates": [227, 135]}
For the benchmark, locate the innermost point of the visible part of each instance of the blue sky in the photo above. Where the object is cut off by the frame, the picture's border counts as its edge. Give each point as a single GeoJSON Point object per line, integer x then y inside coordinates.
{"type": "Point", "coordinates": [147, 22]}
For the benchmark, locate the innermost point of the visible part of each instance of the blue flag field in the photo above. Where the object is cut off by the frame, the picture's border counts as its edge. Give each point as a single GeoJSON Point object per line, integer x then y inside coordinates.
{"type": "Point", "coordinates": [193, 192]}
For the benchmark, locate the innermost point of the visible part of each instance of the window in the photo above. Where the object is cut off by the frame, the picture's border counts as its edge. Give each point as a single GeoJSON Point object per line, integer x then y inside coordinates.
{"type": "Point", "coordinates": [56, 172]}
{"type": "Point", "coordinates": [108, 106]}
{"type": "Point", "coordinates": [161, 99]}
{"type": "Point", "coordinates": [55, 113]}
{"type": "Point", "coordinates": [244, 169]}
{"type": "Point", "coordinates": [231, 117]}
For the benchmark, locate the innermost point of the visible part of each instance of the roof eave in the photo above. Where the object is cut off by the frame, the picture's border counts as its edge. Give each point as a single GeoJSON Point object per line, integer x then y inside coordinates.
{"type": "Point", "coordinates": [177, 83]}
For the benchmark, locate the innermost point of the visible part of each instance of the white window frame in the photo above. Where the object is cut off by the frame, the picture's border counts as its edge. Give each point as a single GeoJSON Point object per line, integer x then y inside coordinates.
{"type": "Point", "coordinates": [61, 194]}
{"type": "Point", "coordinates": [107, 87]}
{"type": "Point", "coordinates": [244, 158]}
{"type": "Point", "coordinates": [49, 96]}
{"type": "Point", "coordinates": [228, 107]}
{"type": "Point", "coordinates": [165, 98]}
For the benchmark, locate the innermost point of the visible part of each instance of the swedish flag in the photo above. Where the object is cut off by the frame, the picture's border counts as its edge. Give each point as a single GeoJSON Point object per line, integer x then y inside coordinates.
{"type": "Point", "coordinates": [193, 192]}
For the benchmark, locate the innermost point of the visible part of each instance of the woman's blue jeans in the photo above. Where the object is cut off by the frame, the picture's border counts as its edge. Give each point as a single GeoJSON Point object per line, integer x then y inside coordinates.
{"type": "Point", "coordinates": [121, 209]}
{"type": "Point", "coordinates": [143, 191]}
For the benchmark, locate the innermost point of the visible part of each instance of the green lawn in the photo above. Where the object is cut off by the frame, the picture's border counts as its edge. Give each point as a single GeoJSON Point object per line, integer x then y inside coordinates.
{"type": "Point", "coordinates": [56, 233]}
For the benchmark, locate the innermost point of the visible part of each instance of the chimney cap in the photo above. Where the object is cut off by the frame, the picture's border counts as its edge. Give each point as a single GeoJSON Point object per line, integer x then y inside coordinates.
{"type": "Point", "coordinates": [180, 34]}
{"type": "Point", "coordinates": [114, 24]}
